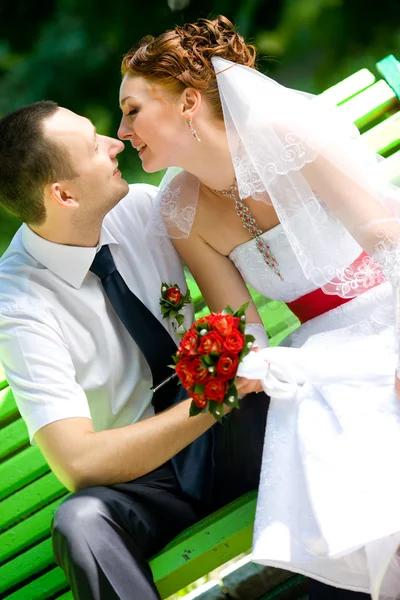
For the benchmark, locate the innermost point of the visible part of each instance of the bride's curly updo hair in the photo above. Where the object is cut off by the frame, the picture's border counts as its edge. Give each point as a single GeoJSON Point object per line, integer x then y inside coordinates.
{"type": "Point", "coordinates": [181, 58]}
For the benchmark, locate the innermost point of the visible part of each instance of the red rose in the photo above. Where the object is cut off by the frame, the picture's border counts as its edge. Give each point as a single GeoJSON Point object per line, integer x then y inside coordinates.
{"type": "Point", "coordinates": [200, 372]}
{"type": "Point", "coordinates": [185, 372]}
{"type": "Point", "coordinates": [188, 345]}
{"type": "Point", "coordinates": [216, 390]}
{"type": "Point", "coordinates": [227, 366]}
{"type": "Point", "coordinates": [234, 342]}
{"type": "Point", "coordinates": [224, 324]}
{"type": "Point", "coordinates": [199, 399]}
{"type": "Point", "coordinates": [174, 295]}
{"type": "Point", "coordinates": [211, 343]}
{"type": "Point", "coordinates": [201, 323]}
{"type": "Point", "coordinates": [191, 371]}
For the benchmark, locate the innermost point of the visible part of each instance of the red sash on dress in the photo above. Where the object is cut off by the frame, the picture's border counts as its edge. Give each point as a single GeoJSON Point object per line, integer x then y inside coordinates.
{"type": "Point", "coordinates": [314, 304]}
{"type": "Point", "coordinates": [317, 302]}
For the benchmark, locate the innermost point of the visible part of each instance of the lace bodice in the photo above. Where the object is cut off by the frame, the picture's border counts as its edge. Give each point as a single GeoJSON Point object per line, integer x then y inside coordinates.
{"type": "Point", "coordinates": [254, 271]}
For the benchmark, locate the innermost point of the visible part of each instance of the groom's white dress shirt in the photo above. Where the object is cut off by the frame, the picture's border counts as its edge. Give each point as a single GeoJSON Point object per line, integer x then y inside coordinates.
{"type": "Point", "coordinates": [63, 348]}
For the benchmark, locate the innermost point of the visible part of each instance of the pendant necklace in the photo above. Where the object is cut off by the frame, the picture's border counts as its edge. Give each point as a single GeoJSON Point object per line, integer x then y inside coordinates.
{"type": "Point", "coordinates": [250, 224]}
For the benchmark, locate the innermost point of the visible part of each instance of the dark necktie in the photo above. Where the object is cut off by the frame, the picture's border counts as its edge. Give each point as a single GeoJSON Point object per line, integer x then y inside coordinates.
{"type": "Point", "coordinates": [149, 334]}
{"type": "Point", "coordinates": [193, 465]}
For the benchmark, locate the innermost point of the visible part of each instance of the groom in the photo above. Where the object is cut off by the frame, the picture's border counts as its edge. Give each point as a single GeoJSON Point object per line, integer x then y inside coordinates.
{"type": "Point", "coordinates": [81, 342]}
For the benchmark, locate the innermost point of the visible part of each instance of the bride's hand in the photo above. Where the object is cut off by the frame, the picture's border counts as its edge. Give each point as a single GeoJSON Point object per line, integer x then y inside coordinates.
{"type": "Point", "coordinates": [246, 386]}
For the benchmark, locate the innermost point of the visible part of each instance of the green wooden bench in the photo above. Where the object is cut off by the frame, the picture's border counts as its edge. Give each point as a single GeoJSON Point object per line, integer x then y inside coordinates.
{"type": "Point", "coordinates": [30, 493]}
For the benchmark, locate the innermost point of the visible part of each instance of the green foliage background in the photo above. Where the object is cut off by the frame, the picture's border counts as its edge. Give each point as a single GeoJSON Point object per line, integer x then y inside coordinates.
{"type": "Point", "coordinates": [70, 50]}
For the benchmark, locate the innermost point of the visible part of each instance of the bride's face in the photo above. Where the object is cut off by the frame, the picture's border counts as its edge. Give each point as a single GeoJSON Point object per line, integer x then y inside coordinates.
{"type": "Point", "coordinates": [154, 123]}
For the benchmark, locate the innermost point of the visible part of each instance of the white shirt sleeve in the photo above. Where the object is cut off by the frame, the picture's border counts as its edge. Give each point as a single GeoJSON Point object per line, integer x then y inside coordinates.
{"type": "Point", "coordinates": [39, 369]}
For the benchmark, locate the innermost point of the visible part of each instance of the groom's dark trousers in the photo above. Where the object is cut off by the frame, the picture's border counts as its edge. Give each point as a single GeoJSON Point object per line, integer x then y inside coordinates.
{"type": "Point", "coordinates": [104, 536]}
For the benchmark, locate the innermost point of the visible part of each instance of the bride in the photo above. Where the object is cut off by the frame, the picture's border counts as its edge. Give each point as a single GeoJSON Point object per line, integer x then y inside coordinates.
{"type": "Point", "coordinates": [277, 190]}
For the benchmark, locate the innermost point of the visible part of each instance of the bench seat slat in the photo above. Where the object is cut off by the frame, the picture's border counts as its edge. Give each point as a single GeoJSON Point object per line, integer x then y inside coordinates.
{"type": "Point", "coordinates": [28, 532]}
{"type": "Point", "coordinates": [21, 469]}
{"type": "Point", "coordinates": [35, 560]}
{"type": "Point", "coordinates": [13, 437]}
{"type": "Point", "coordinates": [205, 546]}
{"type": "Point", "coordinates": [30, 499]}
{"type": "Point", "coordinates": [44, 587]}
{"type": "Point", "coordinates": [3, 382]}
{"type": "Point", "coordinates": [8, 408]}
{"type": "Point", "coordinates": [67, 596]}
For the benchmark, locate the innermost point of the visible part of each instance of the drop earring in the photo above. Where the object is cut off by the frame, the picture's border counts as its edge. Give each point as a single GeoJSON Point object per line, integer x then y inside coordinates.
{"type": "Point", "coordinates": [192, 130]}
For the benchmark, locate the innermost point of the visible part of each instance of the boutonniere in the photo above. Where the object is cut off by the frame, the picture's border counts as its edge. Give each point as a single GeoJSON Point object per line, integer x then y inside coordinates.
{"type": "Point", "coordinates": [172, 302]}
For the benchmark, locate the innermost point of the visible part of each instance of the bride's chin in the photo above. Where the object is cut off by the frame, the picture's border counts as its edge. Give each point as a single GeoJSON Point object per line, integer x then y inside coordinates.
{"type": "Point", "coordinates": [149, 167]}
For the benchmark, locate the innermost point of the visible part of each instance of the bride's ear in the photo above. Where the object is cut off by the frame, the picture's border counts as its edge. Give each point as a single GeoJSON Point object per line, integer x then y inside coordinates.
{"type": "Point", "coordinates": [191, 102]}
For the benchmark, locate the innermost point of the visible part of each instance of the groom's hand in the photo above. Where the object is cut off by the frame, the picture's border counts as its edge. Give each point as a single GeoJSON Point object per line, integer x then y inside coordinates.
{"type": "Point", "coordinates": [247, 386]}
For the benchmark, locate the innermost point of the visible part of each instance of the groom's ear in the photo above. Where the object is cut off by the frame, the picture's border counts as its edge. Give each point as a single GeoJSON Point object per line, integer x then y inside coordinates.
{"type": "Point", "coordinates": [191, 102]}
{"type": "Point", "coordinates": [57, 193]}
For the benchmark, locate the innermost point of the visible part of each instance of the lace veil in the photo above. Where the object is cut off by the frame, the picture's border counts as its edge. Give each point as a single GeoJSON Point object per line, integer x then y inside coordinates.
{"type": "Point", "coordinates": [292, 150]}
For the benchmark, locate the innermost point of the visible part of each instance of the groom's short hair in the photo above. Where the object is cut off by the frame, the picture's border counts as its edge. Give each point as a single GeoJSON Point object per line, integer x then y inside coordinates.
{"type": "Point", "coordinates": [29, 160]}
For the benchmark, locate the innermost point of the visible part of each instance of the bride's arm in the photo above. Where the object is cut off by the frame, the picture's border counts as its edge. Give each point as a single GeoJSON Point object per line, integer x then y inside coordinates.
{"type": "Point", "coordinates": [217, 277]}
{"type": "Point", "coordinates": [353, 201]}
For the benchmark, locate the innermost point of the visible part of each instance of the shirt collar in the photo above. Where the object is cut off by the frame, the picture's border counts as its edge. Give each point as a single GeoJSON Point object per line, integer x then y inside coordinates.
{"type": "Point", "coordinates": [71, 263]}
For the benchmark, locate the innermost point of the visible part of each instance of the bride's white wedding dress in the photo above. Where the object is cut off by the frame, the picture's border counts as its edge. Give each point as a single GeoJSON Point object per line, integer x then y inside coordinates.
{"type": "Point", "coordinates": [329, 499]}
{"type": "Point", "coordinates": [329, 496]}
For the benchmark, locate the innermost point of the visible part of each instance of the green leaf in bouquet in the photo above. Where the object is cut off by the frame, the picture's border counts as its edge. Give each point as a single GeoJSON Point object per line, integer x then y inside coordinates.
{"type": "Point", "coordinates": [175, 358]}
{"type": "Point", "coordinates": [199, 388]}
{"type": "Point", "coordinates": [215, 356]}
{"type": "Point", "coordinates": [209, 360]}
{"type": "Point", "coordinates": [242, 326]}
{"type": "Point", "coordinates": [227, 311]}
{"type": "Point", "coordinates": [216, 409]}
{"type": "Point", "coordinates": [232, 397]}
{"type": "Point", "coordinates": [200, 326]}
{"type": "Point", "coordinates": [248, 344]}
{"type": "Point", "coordinates": [195, 410]}
{"type": "Point", "coordinates": [241, 311]}
{"type": "Point", "coordinates": [173, 313]}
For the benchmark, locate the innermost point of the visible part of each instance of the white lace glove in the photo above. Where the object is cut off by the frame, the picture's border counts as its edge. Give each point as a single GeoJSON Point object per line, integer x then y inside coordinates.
{"type": "Point", "coordinates": [243, 385]}
{"type": "Point", "coordinates": [258, 331]}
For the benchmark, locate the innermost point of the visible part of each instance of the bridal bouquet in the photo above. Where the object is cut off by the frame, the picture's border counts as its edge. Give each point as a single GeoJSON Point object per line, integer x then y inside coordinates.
{"type": "Point", "coordinates": [208, 357]}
